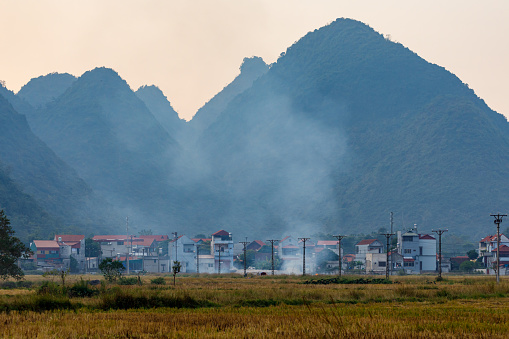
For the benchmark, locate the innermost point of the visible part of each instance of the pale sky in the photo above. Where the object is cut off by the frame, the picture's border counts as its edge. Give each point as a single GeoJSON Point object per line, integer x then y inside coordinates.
{"type": "Point", "coordinates": [192, 49]}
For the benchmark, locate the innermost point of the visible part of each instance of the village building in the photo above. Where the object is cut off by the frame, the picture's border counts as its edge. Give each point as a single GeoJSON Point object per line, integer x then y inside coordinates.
{"type": "Point", "coordinates": [419, 251]}
{"type": "Point", "coordinates": [366, 246]}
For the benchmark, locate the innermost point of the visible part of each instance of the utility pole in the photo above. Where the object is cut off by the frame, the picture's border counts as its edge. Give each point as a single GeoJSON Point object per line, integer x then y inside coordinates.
{"type": "Point", "coordinates": [439, 232]}
{"type": "Point", "coordinates": [219, 262]}
{"type": "Point", "coordinates": [198, 258]}
{"type": "Point", "coordinates": [498, 221]}
{"type": "Point", "coordinates": [388, 236]}
{"type": "Point", "coordinates": [339, 237]}
{"type": "Point", "coordinates": [175, 242]}
{"type": "Point", "coordinates": [304, 255]}
{"type": "Point", "coordinates": [127, 243]}
{"type": "Point", "coordinates": [245, 256]}
{"type": "Point", "coordinates": [272, 241]}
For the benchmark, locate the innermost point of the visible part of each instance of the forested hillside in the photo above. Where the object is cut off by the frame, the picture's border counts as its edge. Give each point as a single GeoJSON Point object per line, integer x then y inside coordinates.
{"type": "Point", "coordinates": [346, 127]}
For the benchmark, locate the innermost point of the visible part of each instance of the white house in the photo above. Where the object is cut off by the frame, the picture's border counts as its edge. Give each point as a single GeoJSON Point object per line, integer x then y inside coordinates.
{"type": "Point", "coordinates": [419, 251]}
{"type": "Point", "coordinates": [183, 249]}
{"type": "Point", "coordinates": [366, 246]}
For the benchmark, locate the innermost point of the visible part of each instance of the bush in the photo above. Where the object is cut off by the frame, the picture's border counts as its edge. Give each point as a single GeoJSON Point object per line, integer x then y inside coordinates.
{"type": "Point", "coordinates": [81, 289]}
{"type": "Point", "coordinates": [123, 300]}
{"type": "Point", "coordinates": [50, 288]}
{"type": "Point", "coordinates": [338, 280]}
{"type": "Point", "coordinates": [158, 281]}
{"type": "Point", "coordinates": [129, 281]}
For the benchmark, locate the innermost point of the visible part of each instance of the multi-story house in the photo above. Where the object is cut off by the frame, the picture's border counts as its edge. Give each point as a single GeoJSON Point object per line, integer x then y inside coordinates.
{"type": "Point", "coordinates": [72, 245]}
{"type": "Point", "coordinates": [57, 253]}
{"type": "Point", "coordinates": [376, 263]}
{"type": "Point", "coordinates": [221, 246]}
{"type": "Point", "coordinates": [113, 246]}
{"type": "Point", "coordinates": [183, 249]}
{"type": "Point", "coordinates": [366, 246]}
{"type": "Point", "coordinates": [486, 247]}
{"type": "Point", "coordinates": [288, 249]}
{"type": "Point", "coordinates": [419, 251]}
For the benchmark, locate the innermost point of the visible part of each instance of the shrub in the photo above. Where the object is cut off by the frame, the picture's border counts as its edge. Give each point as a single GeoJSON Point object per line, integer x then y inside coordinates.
{"type": "Point", "coordinates": [51, 288]}
{"type": "Point", "coordinates": [81, 289]}
{"type": "Point", "coordinates": [129, 281]}
{"type": "Point", "coordinates": [158, 281]}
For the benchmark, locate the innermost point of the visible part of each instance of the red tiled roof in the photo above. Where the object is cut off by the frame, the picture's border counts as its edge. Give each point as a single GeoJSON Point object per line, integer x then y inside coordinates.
{"type": "Point", "coordinates": [202, 239]}
{"type": "Point", "coordinates": [173, 240]}
{"type": "Point", "coordinates": [488, 238]}
{"type": "Point", "coordinates": [286, 238]}
{"type": "Point", "coordinates": [503, 248]}
{"type": "Point", "coordinates": [221, 233]}
{"type": "Point", "coordinates": [327, 242]}
{"type": "Point", "coordinates": [46, 244]}
{"type": "Point", "coordinates": [259, 242]}
{"type": "Point", "coordinates": [426, 237]}
{"type": "Point", "coordinates": [146, 242]}
{"type": "Point", "coordinates": [155, 237]}
{"type": "Point", "coordinates": [491, 238]}
{"type": "Point", "coordinates": [408, 259]}
{"type": "Point", "coordinates": [366, 241]}
{"type": "Point", "coordinates": [122, 237]}
{"type": "Point", "coordinates": [69, 237]}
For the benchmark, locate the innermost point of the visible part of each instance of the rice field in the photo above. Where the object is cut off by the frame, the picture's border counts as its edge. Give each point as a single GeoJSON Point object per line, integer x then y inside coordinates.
{"type": "Point", "coordinates": [268, 307]}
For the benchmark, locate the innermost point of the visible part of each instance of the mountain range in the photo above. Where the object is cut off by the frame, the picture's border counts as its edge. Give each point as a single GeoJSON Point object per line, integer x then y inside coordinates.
{"type": "Point", "coordinates": [346, 127]}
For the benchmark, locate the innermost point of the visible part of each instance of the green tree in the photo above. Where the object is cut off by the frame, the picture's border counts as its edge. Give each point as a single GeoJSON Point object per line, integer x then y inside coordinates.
{"type": "Point", "coordinates": [92, 248]}
{"type": "Point", "coordinates": [74, 265]}
{"type": "Point", "coordinates": [112, 270]}
{"type": "Point", "coordinates": [11, 249]}
{"type": "Point", "coordinates": [145, 232]}
{"type": "Point", "coordinates": [467, 266]}
{"type": "Point", "coordinates": [472, 254]}
{"type": "Point", "coordinates": [250, 254]}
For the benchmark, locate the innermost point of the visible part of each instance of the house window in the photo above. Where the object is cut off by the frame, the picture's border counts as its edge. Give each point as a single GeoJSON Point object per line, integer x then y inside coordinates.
{"type": "Point", "coordinates": [211, 265]}
{"type": "Point", "coordinates": [41, 251]}
{"type": "Point", "coordinates": [420, 250]}
{"type": "Point", "coordinates": [408, 250]}
{"type": "Point", "coordinates": [381, 264]}
{"type": "Point", "coordinates": [409, 264]}
{"type": "Point", "coordinates": [407, 238]}
{"type": "Point", "coordinates": [120, 242]}
{"type": "Point", "coordinates": [155, 261]}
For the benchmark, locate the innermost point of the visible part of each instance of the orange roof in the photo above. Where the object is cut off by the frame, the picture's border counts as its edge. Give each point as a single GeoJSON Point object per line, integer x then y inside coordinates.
{"type": "Point", "coordinates": [491, 238]}
{"type": "Point", "coordinates": [155, 237]}
{"type": "Point", "coordinates": [69, 237]}
{"type": "Point", "coordinates": [221, 233]}
{"type": "Point", "coordinates": [366, 241]}
{"type": "Point", "coordinates": [426, 237]}
{"type": "Point", "coordinates": [122, 237]}
{"type": "Point", "coordinates": [503, 248]}
{"type": "Point", "coordinates": [44, 244]}
{"type": "Point", "coordinates": [145, 242]}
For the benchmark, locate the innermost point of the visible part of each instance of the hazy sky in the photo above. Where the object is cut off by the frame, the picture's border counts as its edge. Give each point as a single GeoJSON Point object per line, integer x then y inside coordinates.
{"type": "Point", "coordinates": [192, 49]}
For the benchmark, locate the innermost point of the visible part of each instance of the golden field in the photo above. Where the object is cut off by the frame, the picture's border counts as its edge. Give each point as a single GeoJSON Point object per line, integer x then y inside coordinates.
{"type": "Point", "coordinates": [233, 306]}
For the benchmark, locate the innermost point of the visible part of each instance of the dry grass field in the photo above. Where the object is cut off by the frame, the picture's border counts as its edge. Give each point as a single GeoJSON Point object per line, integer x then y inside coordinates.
{"type": "Point", "coordinates": [269, 307]}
